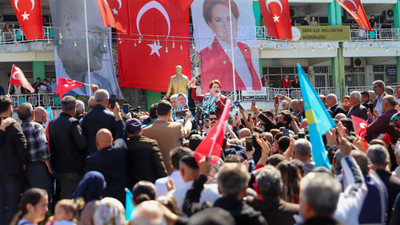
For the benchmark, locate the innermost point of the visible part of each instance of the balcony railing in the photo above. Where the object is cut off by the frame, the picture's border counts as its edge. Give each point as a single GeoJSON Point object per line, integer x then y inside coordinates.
{"type": "Point", "coordinates": [45, 100]}
{"type": "Point", "coordinates": [355, 34]}
{"type": "Point", "coordinates": [16, 36]}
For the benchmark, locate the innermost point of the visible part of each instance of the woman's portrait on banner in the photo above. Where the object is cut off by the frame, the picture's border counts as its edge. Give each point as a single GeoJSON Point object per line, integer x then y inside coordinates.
{"type": "Point", "coordinates": [213, 35]}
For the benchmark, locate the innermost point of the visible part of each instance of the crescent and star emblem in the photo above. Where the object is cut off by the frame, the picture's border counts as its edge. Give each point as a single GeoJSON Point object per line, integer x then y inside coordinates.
{"type": "Point", "coordinates": [363, 125]}
{"type": "Point", "coordinates": [17, 72]}
{"type": "Point", "coordinates": [352, 2]}
{"type": "Point", "coordinates": [153, 5]}
{"type": "Point", "coordinates": [276, 17]}
{"type": "Point", "coordinates": [25, 16]}
{"type": "Point", "coordinates": [115, 11]}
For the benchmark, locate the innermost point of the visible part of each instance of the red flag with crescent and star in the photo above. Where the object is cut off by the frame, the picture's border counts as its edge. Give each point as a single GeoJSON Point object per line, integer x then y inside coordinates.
{"type": "Point", "coordinates": [114, 13]}
{"type": "Point", "coordinates": [211, 146]}
{"type": "Point", "coordinates": [18, 78]}
{"type": "Point", "coordinates": [356, 10]}
{"type": "Point", "coordinates": [158, 42]}
{"type": "Point", "coordinates": [64, 85]}
{"type": "Point", "coordinates": [360, 127]}
{"type": "Point", "coordinates": [29, 14]}
{"type": "Point", "coordinates": [277, 18]}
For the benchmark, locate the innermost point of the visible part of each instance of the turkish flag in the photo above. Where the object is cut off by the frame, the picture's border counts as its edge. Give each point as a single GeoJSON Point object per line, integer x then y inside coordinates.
{"type": "Point", "coordinates": [277, 18]}
{"type": "Point", "coordinates": [18, 79]}
{"type": "Point", "coordinates": [29, 14]}
{"type": "Point", "coordinates": [360, 126]}
{"type": "Point", "coordinates": [114, 13]}
{"type": "Point", "coordinates": [356, 10]}
{"type": "Point", "coordinates": [64, 85]}
{"type": "Point", "coordinates": [212, 144]}
{"type": "Point", "coordinates": [159, 42]}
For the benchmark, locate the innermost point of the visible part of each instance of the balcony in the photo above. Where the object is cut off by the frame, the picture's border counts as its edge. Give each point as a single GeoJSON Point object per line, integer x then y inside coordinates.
{"type": "Point", "coordinates": [45, 100]}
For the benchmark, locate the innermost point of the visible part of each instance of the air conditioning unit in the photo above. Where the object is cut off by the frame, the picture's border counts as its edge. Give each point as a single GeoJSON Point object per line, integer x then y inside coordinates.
{"type": "Point", "coordinates": [389, 15]}
{"type": "Point", "coordinates": [358, 62]}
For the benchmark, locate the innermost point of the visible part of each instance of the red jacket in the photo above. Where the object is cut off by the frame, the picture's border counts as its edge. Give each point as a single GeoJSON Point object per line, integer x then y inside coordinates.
{"type": "Point", "coordinates": [285, 84]}
{"type": "Point", "coordinates": [216, 65]}
{"type": "Point", "coordinates": [220, 103]}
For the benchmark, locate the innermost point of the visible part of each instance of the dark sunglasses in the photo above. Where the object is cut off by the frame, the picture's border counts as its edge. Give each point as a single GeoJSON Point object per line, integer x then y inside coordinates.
{"type": "Point", "coordinates": [215, 119]}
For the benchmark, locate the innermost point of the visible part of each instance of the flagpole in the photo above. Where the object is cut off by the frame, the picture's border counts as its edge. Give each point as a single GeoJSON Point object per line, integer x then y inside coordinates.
{"type": "Point", "coordinates": [220, 125]}
{"type": "Point", "coordinates": [9, 84]}
{"type": "Point", "coordinates": [233, 56]}
{"type": "Point", "coordinates": [87, 43]}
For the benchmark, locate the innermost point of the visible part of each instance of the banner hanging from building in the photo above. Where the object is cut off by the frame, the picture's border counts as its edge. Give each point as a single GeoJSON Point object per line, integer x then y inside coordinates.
{"type": "Point", "coordinates": [70, 54]}
{"type": "Point", "coordinates": [212, 35]}
{"type": "Point", "coordinates": [321, 33]}
{"type": "Point", "coordinates": [159, 41]}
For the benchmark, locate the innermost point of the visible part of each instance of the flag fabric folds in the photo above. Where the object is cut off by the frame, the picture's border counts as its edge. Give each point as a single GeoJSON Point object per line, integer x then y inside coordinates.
{"type": "Point", "coordinates": [114, 13]}
{"type": "Point", "coordinates": [18, 78]}
{"type": "Point", "coordinates": [159, 41]}
{"type": "Point", "coordinates": [356, 10]}
{"type": "Point", "coordinates": [360, 126]}
{"type": "Point", "coordinates": [29, 14]}
{"type": "Point", "coordinates": [318, 119]}
{"type": "Point", "coordinates": [212, 144]}
{"type": "Point", "coordinates": [277, 18]}
{"type": "Point", "coordinates": [129, 207]}
{"type": "Point", "coordinates": [64, 85]}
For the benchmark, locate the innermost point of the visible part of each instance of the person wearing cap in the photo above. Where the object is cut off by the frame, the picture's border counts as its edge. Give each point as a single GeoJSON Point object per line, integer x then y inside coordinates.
{"type": "Point", "coordinates": [144, 158]}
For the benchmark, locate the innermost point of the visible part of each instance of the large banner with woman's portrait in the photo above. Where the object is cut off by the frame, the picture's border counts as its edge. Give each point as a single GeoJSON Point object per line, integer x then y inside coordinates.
{"type": "Point", "coordinates": [212, 35]}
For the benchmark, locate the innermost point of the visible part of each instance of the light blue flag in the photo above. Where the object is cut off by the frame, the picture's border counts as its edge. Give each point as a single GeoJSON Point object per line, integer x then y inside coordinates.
{"type": "Point", "coordinates": [318, 119]}
{"type": "Point", "coordinates": [129, 207]}
{"type": "Point", "coordinates": [50, 113]}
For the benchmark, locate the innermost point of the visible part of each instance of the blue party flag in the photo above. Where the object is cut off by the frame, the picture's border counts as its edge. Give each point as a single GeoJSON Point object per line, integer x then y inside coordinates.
{"type": "Point", "coordinates": [318, 119]}
{"type": "Point", "coordinates": [129, 207]}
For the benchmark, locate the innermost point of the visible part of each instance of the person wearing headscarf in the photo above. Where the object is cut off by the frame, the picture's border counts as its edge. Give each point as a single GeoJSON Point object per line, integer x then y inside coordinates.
{"type": "Point", "coordinates": [90, 190]}
{"type": "Point", "coordinates": [183, 105]}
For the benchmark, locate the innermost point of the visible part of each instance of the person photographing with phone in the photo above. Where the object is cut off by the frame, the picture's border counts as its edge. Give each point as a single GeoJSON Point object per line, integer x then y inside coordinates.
{"type": "Point", "coordinates": [213, 101]}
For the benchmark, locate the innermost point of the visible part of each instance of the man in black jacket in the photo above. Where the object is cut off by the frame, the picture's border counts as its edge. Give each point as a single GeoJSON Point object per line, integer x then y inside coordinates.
{"type": "Point", "coordinates": [110, 159]}
{"type": "Point", "coordinates": [99, 117]}
{"type": "Point", "coordinates": [274, 209]}
{"type": "Point", "coordinates": [331, 101]}
{"type": "Point", "coordinates": [68, 148]}
{"type": "Point", "coordinates": [377, 155]}
{"type": "Point", "coordinates": [232, 180]}
{"type": "Point", "coordinates": [13, 155]}
{"type": "Point", "coordinates": [144, 158]}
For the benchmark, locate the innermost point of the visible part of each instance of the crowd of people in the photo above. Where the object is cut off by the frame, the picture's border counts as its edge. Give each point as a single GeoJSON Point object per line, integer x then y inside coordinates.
{"type": "Point", "coordinates": [76, 167]}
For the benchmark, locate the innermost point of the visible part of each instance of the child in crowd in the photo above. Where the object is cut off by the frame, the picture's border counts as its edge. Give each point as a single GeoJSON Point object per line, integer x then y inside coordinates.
{"type": "Point", "coordinates": [66, 211]}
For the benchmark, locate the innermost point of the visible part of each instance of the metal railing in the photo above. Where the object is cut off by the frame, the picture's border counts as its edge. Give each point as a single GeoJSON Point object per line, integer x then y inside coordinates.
{"type": "Point", "coordinates": [377, 34]}
{"type": "Point", "coordinates": [45, 100]}
{"type": "Point", "coordinates": [355, 34]}
{"type": "Point", "coordinates": [16, 36]}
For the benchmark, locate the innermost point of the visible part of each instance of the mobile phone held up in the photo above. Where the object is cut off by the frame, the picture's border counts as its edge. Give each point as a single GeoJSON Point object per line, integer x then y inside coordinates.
{"type": "Point", "coordinates": [180, 113]}
{"type": "Point", "coordinates": [276, 100]}
{"type": "Point", "coordinates": [253, 101]}
{"type": "Point", "coordinates": [249, 144]}
{"type": "Point", "coordinates": [125, 108]}
{"type": "Point", "coordinates": [113, 99]}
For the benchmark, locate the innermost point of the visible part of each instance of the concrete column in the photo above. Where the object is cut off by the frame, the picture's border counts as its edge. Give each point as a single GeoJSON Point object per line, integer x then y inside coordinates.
{"type": "Point", "coordinates": [152, 97]}
{"type": "Point", "coordinates": [338, 75]}
{"type": "Point", "coordinates": [396, 11]}
{"type": "Point", "coordinates": [38, 70]}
